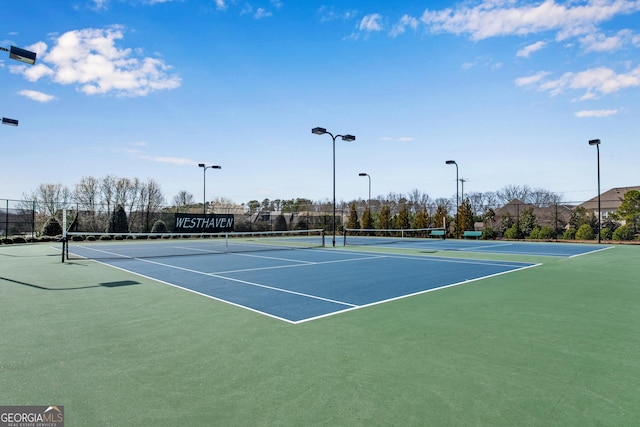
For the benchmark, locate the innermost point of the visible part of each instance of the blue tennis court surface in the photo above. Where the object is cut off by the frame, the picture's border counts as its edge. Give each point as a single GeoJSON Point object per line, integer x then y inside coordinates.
{"type": "Point", "coordinates": [301, 285]}
{"type": "Point", "coordinates": [558, 249]}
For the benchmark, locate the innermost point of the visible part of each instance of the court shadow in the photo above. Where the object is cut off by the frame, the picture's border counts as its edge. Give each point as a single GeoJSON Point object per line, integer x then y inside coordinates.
{"type": "Point", "coordinates": [119, 283]}
{"type": "Point", "coordinates": [99, 285]}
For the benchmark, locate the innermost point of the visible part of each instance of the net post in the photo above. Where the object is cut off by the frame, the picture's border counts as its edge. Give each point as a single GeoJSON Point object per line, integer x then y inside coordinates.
{"type": "Point", "coordinates": [444, 228]}
{"type": "Point", "coordinates": [64, 232]}
{"type": "Point", "coordinates": [65, 247]}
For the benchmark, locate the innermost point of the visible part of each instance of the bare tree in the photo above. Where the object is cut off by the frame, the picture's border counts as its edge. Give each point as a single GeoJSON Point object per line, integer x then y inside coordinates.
{"type": "Point", "coordinates": [183, 199]}
{"type": "Point", "coordinates": [491, 200]}
{"type": "Point", "coordinates": [50, 198]}
{"type": "Point", "coordinates": [122, 191]}
{"type": "Point", "coordinates": [542, 198]}
{"type": "Point", "coordinates": [107, 191]}
{"type": "Point", "coordinates": [151, 200]}
{"type": "Point", "coordinates": [418, 201]}
{"type": "Point", "coordinates": [476, 202]}
{"type": "Point", "coordinates": [510, 192]}
{"type": "Point", "coordinates": [86, 193]}
{"type": "Point", "coordinates": [447, 204]}
{"type": "Point", "coordinates": [538, 197]}
{"type": "Point", "coordinates": [223, 205]}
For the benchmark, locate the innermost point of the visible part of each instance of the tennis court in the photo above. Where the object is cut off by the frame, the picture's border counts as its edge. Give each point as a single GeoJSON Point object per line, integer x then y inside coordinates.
{"type": "Point", "coordinates": [552, 249]}
{"type": "Point", "coordinates": [292, 285]}
{"type": "Point", "coordinates": [552, 345]}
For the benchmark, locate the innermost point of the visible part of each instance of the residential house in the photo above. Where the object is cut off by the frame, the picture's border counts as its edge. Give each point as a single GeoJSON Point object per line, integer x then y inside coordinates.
{"type": "Point", "coordinates": [610, 201]}
{"type": "Point", "coordinates": [555, 216]}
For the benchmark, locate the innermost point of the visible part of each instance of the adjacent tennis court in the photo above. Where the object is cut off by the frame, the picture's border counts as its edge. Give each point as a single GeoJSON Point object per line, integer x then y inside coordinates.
{"type": "Point", "coordinates": [554, 249]}
{"type": "Point", "coordinates": [291, 285]}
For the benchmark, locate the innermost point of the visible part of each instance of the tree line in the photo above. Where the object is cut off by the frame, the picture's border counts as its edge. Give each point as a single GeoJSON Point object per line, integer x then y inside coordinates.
{"type": "Point", "coordinates": [415, 209]}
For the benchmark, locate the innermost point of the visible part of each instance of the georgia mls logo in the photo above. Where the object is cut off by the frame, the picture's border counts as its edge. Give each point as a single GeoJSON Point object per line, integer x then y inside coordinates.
{"type": "Point", "coordinates": [31, 416]}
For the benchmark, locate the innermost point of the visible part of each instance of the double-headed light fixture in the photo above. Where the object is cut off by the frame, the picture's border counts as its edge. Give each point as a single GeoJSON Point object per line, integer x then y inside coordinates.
{"type": "Point", "coordinates": [204, 184]}
{"type": "Point", "coordinates": [348, 138]}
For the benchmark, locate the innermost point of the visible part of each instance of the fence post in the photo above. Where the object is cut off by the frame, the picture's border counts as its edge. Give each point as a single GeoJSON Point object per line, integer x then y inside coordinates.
{"type": "Point", "coordinates": [6, 221]}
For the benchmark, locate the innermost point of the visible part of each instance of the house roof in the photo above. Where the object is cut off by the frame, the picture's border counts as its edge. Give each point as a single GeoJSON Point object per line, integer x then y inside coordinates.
{"type": "Point", "coordinates": [609, 200]}
{"type": "Point", "coordinates": [546, 216]}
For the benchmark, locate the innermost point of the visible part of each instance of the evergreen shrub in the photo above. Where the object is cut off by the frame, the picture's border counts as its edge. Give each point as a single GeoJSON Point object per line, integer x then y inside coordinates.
{"type": "Point", "coordinates": [585, 232]}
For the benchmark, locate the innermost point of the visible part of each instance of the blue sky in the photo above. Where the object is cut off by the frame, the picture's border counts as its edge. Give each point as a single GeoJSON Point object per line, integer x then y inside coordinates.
{"type": "Point", "coordinates": [511, 90]}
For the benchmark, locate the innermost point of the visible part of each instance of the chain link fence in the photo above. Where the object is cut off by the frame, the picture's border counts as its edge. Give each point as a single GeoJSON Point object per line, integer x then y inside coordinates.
{"type": "Point", "coordinates": [27, 220]}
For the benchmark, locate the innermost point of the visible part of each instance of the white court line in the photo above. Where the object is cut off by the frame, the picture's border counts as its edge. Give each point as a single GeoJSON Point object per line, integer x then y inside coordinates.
{"type": "Point", "coordinates": [306, 264]}
{"type": "Point", "coordinates": [489, 246]}
{"type": "Point", "coordinates": [591, 252]}
{"type": "Point", "coordinates": [414, 294]}
{"type": "Point", "coordinates": [502, 263]}
{"type": "Point", "coordinates": [102, 251]}
{"type": "Point", "coordinates": [247, 282]}
{"type": "Point", "coordinates": [155, 279]}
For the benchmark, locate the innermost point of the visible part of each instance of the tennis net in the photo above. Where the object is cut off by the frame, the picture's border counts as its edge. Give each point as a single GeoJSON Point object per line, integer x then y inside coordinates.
{"type": "Point", "coordinates": [375, 236]}
{"type": "Point", "coordinates": [81, 245]}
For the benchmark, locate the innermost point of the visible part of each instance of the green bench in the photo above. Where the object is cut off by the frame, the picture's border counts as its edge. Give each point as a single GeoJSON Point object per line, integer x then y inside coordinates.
{"type": "Point", "coordinates": [436, 233]}
{"type": "Point", "coordinates": [476, 234]}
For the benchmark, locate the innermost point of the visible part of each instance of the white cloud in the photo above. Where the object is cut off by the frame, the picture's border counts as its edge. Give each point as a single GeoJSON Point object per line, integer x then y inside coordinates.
{"type": "Point", "coordinates": [371, 23]}
{"type": "Point", "coordinates": [531, 80]}
{"type": "Point", "coordinates": [328, 14]}
{"type": "Point", "coordinates": [90, 59]}
{"type": "Point", "coordinates": [596, 113]}
{"type": "Point", "coordinates": [600, 43]}
{"type": "Point", "coordinates": [493, 18]}
{"type": "Point", "coordinates": [526, 51]}
{"type": "Point", "coordinates": [221, 5]}
{"type": "Point", "coordinates": [482, 61]}
{"type": "Point", "coordinates": [401, 27]}
{"type": "Point", "coordinates": [396, 139]}
{"type": "Point", "coordinates": [37, 96]}
{"type": "Point", "coordinates": [262, 13]}
{"type": "Point", "coordinates": [180, 161]}
{"type": "Point", "coordinates": [594, 82]}
{"type": "Point", "coordinates": [100, 4]}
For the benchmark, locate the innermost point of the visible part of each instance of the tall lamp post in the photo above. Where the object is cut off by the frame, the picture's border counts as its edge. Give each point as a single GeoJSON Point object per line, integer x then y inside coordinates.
{"type": "Point", "coordinates": [453, 162]}
{"type": "Point", "coordinates": [204, 184]}
{"type": "Point", "coordinates": [348, 138]}
{"type": "Point", "coordinates": [596, 142]}
{"type": "Point", "coordinates": [368, 176]}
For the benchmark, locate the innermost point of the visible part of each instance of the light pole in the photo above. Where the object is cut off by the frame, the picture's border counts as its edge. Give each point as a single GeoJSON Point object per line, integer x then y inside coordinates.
{"type": "Point", "coordinates": [453, 162]}
{"type": "Point", "coordinates": [596, 142]}
{"type": "Point", "coordinates": [348, 138]}
{"type": "Point", "coordinates": [368, 176]}
{"type": "Point", "coordinates": [204, 184]}
{"type": "Point", "coordinates": [9, 122]}
{"type": "Point", "coordinates": [462, 181]}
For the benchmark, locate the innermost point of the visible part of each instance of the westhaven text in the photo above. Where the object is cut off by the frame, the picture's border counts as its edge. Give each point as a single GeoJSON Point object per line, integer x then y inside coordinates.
{"type": "Point", "coordinates": [201, 223]}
